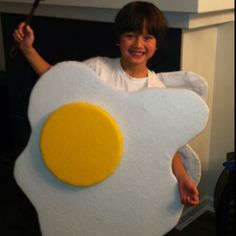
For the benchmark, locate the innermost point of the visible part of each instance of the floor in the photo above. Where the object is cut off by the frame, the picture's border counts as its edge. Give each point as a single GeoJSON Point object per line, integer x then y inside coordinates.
{"type": "Point", "coordinates": [202, 226]}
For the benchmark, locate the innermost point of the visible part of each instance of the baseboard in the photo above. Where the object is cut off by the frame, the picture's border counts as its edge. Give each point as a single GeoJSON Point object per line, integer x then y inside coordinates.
{"type": "Point", "coordinates": [192, 213]}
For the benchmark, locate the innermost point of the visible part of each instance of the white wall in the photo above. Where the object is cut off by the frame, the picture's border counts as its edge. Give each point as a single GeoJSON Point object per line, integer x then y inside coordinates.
{"type": "Point", "coordinates": [210, 52]}
{"type": "Point", "coordinates": [198, 55]}
{"type": "Point", "coordinates": [222, 135]}
{"type": "Point", "coordinates": [165, 5]}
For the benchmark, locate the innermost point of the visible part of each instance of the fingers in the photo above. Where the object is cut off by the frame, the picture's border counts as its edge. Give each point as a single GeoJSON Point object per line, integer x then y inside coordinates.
{"type": "Point", "coordinates": [190, 199]}
{"type": "Point", "coordinates": [189, 194]}
{"type": "Point", "coordinates": [18, 36]}
{"type": "Point", "coordinates": [18, 33]}
{"type": "Point", "coordinates": [22, 31]}
{"type": "Point", "coordinates": [28, 29]}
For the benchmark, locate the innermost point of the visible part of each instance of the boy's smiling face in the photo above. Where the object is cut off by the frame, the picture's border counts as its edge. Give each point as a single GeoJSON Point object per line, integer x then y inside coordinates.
{"type": "Point", "coordinates": [137, 48]}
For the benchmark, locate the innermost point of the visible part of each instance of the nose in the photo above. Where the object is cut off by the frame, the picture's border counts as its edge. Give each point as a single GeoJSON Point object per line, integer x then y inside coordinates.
{"type": "Point", "coordinates": [138, 41]}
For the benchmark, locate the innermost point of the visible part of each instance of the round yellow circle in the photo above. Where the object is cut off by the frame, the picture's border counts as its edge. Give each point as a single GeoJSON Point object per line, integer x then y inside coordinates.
{"type": "Point", "coordinates": [81, 144]}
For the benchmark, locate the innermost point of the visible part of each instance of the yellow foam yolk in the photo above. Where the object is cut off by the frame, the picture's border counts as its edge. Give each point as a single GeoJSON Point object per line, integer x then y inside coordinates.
{"type": "Point", "coordinates": [81, 144]}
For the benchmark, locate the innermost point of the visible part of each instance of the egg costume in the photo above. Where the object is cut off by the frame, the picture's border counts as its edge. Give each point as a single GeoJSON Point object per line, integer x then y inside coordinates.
{"type": "Point", "coordinates": [98, 161]}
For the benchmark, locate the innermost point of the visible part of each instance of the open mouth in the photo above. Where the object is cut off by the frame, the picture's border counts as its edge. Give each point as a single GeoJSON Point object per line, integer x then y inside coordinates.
{"type": "Point", "coordinates": [137, 54]}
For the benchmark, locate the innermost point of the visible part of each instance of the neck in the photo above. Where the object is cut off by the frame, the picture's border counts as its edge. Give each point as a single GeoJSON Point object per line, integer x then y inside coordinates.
{"type": "Point", "coordinates": [137, 71]}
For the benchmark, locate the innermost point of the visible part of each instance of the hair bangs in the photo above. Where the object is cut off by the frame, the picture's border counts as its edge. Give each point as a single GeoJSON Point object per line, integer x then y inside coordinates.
{"type": "Point", "coordinates": [139, 16]}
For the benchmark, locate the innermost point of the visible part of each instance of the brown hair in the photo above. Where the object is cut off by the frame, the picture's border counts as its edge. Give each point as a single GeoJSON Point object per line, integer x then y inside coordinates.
{"type": "Point", "coordinates": [135, 15]}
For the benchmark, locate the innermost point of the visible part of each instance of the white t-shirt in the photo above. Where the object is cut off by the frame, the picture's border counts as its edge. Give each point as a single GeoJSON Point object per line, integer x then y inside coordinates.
{"type": "Point", "coordinates": [111, 72]}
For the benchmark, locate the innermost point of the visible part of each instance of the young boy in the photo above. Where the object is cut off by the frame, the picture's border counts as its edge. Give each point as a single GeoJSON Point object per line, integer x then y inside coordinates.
{"type": "Point", "coordinates": [139, 28]}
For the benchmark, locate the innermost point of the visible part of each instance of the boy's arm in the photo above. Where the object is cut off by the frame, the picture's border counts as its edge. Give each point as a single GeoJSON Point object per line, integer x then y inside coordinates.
{"type": "Point", "coordinates": [39, 65]}
{"type": "Point", "coordinates": [187, 189]}
{"type": "Point", "coordinates": [24, 36]}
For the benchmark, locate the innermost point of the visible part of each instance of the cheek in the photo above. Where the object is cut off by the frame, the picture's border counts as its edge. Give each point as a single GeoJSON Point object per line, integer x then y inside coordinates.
{"type": "Point", "coordinates": [124, 45]}
{"type": "Point", "coordinates": [152, 47]}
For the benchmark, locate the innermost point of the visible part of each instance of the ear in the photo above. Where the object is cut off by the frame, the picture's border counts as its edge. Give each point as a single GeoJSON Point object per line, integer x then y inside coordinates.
{"type": "Point", "coordinates": [117, 41]}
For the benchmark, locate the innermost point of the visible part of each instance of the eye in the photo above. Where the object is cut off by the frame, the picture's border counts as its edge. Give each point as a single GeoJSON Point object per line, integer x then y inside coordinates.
{"type": "Point", "coordinates": [129, 35]}
{"type": "Point", "coordinates": [149, 37]}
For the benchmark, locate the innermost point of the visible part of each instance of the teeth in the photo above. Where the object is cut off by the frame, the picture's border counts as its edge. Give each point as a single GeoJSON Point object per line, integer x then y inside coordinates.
{"type": "Point", "coordinates": [137, 53]}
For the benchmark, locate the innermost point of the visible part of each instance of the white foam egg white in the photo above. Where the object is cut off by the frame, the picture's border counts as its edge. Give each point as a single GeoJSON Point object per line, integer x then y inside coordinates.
{"type": "Point", "coordinates": [141, 197]}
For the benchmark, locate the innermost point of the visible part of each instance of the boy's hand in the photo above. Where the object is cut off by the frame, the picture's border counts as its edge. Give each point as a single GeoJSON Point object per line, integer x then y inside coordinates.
{"type": "Point", "coordinates": [24, 36]}
{"type": "Point", "coordinates": [188, 191]}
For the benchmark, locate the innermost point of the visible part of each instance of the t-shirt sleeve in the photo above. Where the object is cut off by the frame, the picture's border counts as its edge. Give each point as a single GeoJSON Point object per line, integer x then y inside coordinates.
{"type": "Point", "coordinates": [92, 63]}
{"type": "Point", "coordinates": [100, 66]}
